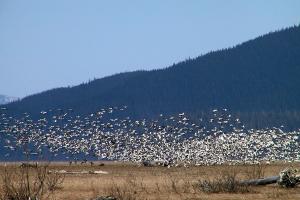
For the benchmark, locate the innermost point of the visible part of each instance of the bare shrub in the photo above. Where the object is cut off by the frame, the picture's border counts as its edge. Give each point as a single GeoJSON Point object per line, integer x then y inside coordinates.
{"type": "Point", "coordinates": [131, 181]}
{"type": "Point", "coordinates": [186, 186]}
{"type": "Point", "coordinates": [255, 171]}
{"type": "Point", "coordinates": [226, 182]}
{"type": "Point", "coordinates": [277, 193]}
{"type": "Point", "coordinates": [122, 192]}
{"type": "Point", "coordinates": [54, 181]}
{"type": "Point", "coordinates": [172, 184]}
{"type": "Point", "coordinates": [157, 187]}
{"type": "Point", "coordinates": [23, 183]}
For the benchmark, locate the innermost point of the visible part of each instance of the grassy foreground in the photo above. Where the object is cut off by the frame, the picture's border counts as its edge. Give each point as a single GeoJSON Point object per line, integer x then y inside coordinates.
{"type": "Point", "coordinates": [131, 182]}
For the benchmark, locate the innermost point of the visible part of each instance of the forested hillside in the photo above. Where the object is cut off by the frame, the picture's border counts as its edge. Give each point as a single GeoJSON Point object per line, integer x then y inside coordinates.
{"type": "Point", "coordinates": [258, 81]}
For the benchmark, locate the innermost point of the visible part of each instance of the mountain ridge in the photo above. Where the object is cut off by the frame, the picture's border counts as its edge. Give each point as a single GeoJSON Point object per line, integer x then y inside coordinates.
{"type": "Point", "coordinates": [254, 79]}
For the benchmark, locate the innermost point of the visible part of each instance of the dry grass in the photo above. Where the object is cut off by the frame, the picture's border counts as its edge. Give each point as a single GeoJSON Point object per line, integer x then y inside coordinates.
{"type": "Point", "coordinates": [130, 182]}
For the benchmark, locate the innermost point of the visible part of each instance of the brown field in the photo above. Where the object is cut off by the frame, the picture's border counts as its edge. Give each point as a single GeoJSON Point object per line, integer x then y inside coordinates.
{"type": "Point", "coordinates": [159, 183]}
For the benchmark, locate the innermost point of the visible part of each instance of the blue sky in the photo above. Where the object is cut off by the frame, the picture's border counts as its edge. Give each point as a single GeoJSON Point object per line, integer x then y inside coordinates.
{"type": "Point", "coordinates": [56, 43]}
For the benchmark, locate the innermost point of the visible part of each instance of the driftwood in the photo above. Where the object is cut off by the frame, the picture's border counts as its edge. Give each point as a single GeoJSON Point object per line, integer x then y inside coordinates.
{"type": "Point", "coordinates": [287, 178]}
{"type": "Point", "coordinates": [262, 181]}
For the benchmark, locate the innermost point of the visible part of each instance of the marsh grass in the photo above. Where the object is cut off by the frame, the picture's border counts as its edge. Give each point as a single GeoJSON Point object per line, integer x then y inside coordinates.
{"type": "Point", "coordinates": [130, 182]}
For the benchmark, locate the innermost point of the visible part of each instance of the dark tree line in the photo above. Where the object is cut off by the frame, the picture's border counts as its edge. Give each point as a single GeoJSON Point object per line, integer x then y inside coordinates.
{"type": "Point", "coordinates": [258, 80]}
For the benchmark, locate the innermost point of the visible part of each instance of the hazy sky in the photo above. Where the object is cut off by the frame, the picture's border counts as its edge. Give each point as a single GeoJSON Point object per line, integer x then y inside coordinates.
{"type": "Point", "coordinates": [46, 44]}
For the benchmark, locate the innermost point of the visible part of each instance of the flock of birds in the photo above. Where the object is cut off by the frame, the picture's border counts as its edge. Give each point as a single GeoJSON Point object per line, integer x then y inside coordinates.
{"type": "Point", "coordinates": [173, 140]}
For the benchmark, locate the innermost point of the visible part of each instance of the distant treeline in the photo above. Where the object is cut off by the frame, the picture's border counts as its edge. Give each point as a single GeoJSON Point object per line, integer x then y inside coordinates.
{"type": "Point", "coordinates": [258, 81]}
